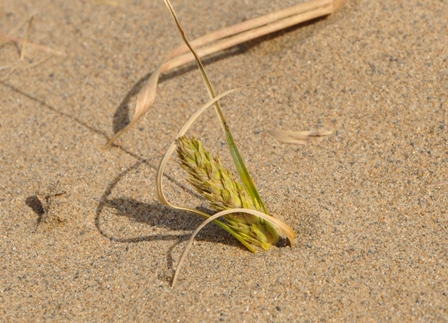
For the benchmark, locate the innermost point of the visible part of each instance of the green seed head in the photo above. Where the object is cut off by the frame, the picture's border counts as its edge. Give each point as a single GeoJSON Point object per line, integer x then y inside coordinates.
{"type": "Point", "coordinates": [219, 186]}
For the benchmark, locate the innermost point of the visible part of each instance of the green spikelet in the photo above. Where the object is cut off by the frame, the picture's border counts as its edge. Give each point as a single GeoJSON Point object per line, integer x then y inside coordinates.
{"type": "Point", "coordinates": [218, 185]}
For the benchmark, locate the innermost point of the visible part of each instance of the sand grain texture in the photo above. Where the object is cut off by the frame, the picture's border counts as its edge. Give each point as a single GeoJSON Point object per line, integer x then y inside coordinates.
{"type": "Point", "coordinates": [372, 237]}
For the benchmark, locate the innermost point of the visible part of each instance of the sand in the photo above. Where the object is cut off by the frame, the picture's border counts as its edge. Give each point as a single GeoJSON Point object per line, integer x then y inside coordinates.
{"type": "Point", "coordinates": [83, 237]}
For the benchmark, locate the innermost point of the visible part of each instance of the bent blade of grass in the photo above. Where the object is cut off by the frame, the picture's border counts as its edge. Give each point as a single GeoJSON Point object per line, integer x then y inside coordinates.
{"type": "Point", "coordinates": [146, 96]}
{"type": "Point", "coordinates": [252, 23]}
{"type": "Point", "coordinates": [18, 64]}
{"type": "Point", "coordinates": [252, 28]}
{"type": "Point", "coordinates": [145, 99]}
{"type": "Point", "coordinates": [301, 138]}
{"type": "Point", "coordinates": [225, 38]}
{"type": "Point", "coordinates": [236, 156]}
{"type": "Point", "coordinates": [9, 38]}
{"type": "Point", "coordinates": [286, 230]}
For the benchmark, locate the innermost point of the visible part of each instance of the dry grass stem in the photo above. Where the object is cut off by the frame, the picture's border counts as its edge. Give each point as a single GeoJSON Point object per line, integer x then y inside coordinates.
{"type": "Point", "coordinates": [9, 38]}
{"type": "Point", "coordinates": [24, 42]}
{"type": "Point", "coordinates": [27, 34]}
{"type": "Point", "coordinates": [251, 29]}
{"type": "Point", "coordinates": [225, 38]}
{"type": "Point", "coordinates": [18, 65]}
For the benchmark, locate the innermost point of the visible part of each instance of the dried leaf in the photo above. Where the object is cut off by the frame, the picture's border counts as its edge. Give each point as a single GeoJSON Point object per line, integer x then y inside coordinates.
{"type": "Point", "coordinates": [301, 138]}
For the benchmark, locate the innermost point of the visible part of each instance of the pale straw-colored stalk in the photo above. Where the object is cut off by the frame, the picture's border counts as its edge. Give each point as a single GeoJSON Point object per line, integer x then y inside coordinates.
{"type": "Point", "coordinates": [18, 65]}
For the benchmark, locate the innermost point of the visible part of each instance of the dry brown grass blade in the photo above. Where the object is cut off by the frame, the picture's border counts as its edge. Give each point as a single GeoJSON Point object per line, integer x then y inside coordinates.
{"type": "Point", "coordinates": [18, 64]}
{"type": "Point", "coordinates": [9, 38]}
{"type": "Point", "coordinates": [27, 34]}
{"type": "Point", "coordinates": [286, 230]}
{"type": "Point", "coordinates": [225, 38]}
{"type": "Point", "coordinates": [145, 99]}
{"type": "Point", "coordinates": [301, 138]}
{"type": "Point", "coordinates": [299, 13]}
{"type": "Point", "coordinates": [6, 36]}
{"type": "Point", "coordinates": [253, 28]}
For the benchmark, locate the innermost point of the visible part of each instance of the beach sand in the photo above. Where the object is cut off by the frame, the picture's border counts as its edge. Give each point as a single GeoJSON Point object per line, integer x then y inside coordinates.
{"type": "Point", "coordinates": [83, 237]}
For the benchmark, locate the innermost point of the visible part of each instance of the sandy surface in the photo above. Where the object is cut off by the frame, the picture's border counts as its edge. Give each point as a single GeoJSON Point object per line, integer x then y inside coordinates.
{"type": "Point", "coordinates": [83, 237]}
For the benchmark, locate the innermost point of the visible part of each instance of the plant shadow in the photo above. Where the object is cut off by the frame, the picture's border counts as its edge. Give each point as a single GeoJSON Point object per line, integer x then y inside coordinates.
{"type": "Point", "coordinates": [155, 215]}
{"type": "Point", "coordinates": [121, 116]}
{"type": "Point", "coordinates": [160, 216]}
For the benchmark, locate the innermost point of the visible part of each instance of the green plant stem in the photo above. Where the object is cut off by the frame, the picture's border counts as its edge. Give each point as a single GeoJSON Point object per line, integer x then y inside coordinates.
{"type": "Point", "coordinates": [236, 156]}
